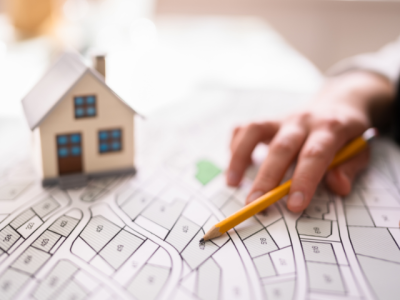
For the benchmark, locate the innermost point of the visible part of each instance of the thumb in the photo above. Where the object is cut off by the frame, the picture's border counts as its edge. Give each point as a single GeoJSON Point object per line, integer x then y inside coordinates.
{"type": "Point", "coordinates": [340, 179]}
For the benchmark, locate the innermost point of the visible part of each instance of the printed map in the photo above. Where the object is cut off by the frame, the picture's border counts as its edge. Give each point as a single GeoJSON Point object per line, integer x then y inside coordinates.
{"type": "Point", "coordinates": [138, 237]}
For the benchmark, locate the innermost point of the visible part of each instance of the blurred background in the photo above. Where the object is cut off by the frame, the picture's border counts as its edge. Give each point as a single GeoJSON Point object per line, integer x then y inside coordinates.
{"type": "Point", "coordinates": [163, 51]}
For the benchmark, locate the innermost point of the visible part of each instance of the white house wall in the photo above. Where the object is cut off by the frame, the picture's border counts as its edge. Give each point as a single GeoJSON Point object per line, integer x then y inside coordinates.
{"type": "Point", "coordinates": [111, 114]}
{"type": "Point", "coordinates": [37, 151]}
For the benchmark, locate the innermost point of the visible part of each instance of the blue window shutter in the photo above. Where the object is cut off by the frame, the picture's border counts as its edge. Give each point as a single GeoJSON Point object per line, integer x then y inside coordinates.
{"type": "Point", "coordinates": [62, 140]}
{"type": "Point", "coordinates": [79, 112]}
{"type": "Point", "coordinates": [63, 152]}
{"type": "Point", "coordinates": [116, 146]}
{"type": "Point", "coordinates": [78, 100]}
{"type": "Point", "coordinates": [116, 134]}
{"type": "Point", "coordinates": [90, 99]}
{"type": "Point", "coordinates": [90, 111]}
{"type": "Point", "coordinates": [76, 151]}
{"type": "Point", "coordinates": [103, 135]}
{"type": "Point", "coordinates": [104, 147]}
{"type": "Point", "coordinates": [75, 138]}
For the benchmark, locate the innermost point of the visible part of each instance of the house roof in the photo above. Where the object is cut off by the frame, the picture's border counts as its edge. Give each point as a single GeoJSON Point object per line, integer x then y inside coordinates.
{"type": "Point", "coordinates": [54, 85]}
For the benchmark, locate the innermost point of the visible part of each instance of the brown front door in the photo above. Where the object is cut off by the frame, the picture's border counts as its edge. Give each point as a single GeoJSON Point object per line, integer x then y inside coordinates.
{"type": "Point", "coordinates": [69, 153]}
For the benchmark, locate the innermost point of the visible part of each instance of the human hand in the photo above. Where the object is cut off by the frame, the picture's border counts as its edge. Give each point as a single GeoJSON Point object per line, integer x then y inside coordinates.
{"type": "Point", "coordinates": [313, 136]}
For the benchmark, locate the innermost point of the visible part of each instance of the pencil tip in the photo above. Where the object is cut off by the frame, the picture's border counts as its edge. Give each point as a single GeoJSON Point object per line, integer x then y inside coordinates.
{"type": "Point", "coordinates": [202, 240]}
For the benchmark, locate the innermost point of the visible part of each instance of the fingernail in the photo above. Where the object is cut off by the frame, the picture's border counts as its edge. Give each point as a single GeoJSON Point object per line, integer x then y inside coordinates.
{"type": "Point", "coordinates": [296, 200]}
{"type": "Point", "coordinates": [232, 177]}
{"type": "Point", "coordinates": [255, 195]}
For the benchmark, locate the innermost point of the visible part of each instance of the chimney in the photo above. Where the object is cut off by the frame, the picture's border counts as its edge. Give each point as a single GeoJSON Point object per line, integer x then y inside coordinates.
{"type": "Point", "coordinates": [99, 63]}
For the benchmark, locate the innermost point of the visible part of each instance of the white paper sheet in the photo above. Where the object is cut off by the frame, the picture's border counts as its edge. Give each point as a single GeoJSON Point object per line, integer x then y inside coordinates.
{"type": "Point", "coordinates": [138, 237]}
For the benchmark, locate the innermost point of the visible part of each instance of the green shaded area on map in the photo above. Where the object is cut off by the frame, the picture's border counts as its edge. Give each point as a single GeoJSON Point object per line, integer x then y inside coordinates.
{"type": "Point", "coordinates": [206, 171]}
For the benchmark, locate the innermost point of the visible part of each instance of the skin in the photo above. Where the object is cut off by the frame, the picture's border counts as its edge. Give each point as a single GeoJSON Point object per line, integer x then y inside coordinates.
{"type": "Point", "coordinates": [340, 112]}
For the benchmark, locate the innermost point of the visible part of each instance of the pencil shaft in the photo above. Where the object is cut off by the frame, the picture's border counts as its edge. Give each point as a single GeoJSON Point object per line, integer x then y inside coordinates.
{"type": "Point", "coordinates": [350, 150]}
{"type": "Point", "coordinates": [255, 207]}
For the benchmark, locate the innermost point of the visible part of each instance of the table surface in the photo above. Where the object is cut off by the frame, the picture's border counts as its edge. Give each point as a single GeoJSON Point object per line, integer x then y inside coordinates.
{"type": "Point", "coordinates": [167, 59]}
{"type": "Point", "coordinates": [200, 79]}
{"type": "Point", "coordinates": [169, 64]}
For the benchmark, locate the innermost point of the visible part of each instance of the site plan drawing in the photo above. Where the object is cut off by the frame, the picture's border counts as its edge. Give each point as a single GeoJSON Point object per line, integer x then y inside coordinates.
{"type": "Point", "coordinates": [137, 237]}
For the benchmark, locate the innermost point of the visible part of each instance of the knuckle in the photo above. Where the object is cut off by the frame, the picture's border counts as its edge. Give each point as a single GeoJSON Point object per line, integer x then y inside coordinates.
{"type": "Point", "coordinates": [265, 180]}
{"type": "Point", "coordinates": [300, 117]}
{"type": "Point", "coordinates": [304, 115]}
{"type": "Point", "coordinates": [267, 123]}
{"type": "Point", "coordinates": [332, 124]}
{"type": "Point", "coordinates": [288, 141]}
{"type": "Point", "coordinates": [315, 151]}
{"type": "Point", "coordinates": [236, 129]}
{"type": "Point", "coordinates": [237, 165]}
{"type": "Point", "coordinates": [282, 146]}
{"type": "Point", "coordinates": [305, 182]}
{"type": "Point", "coordinates": [253, 127]}
{"type": "Point", "coordinates": [239, 157]}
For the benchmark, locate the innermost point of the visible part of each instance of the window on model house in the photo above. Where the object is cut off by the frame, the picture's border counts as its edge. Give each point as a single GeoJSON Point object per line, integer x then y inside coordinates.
{"type": "Point", "coordinates": [85, 106]}
{"type": "Point", "coordinates": [110, 140]}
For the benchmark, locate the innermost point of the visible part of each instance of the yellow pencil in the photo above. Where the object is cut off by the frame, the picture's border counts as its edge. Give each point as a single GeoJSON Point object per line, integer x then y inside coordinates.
{"type": "Point", "coordinates": [348, 151]}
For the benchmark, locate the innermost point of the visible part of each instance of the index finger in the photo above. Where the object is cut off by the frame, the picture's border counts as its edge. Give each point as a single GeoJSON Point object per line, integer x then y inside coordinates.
{"type": "Point", "coordinates": [247, 140]}
{"type": "Point", "coordinates": [282, 151]}
{"type": "Point", "coordinates": [314, 159]}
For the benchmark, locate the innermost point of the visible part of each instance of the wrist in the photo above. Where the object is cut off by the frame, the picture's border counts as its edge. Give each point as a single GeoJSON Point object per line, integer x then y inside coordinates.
{"type": "Point", "coordinates": [367, 92]}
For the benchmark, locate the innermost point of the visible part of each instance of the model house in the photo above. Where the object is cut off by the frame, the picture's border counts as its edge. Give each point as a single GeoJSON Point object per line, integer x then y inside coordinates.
{"type": "Point", "coordinates": [82, 129]}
